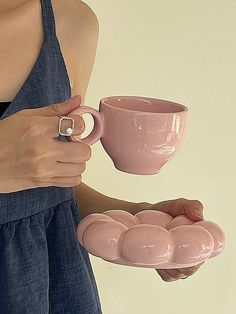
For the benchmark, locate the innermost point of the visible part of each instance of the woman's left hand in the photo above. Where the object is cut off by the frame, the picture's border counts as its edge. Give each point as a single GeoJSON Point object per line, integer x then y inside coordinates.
{"type": "Point", "coordinates": [193, 209]}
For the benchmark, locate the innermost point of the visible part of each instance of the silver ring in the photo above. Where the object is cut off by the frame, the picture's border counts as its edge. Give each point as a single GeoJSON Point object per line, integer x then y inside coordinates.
{"type": "Point", "coordinates": [69, 131]}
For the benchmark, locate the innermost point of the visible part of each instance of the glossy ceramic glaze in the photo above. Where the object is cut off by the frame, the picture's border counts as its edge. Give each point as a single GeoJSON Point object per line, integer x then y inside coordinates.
{"type": "Point", "coordinates": [150, 239]}
{"type": "Point", "coordinates": [140, 134]}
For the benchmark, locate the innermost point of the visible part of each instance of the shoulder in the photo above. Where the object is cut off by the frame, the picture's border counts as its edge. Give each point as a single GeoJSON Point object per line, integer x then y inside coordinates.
{"type": "Point", "coordinates": [76, 18]}
{"type": "Point", "coordinates": [78, 27]}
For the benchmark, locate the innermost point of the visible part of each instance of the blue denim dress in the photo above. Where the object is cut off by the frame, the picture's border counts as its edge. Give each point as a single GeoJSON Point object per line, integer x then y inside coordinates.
{"type": "Point", "coordinates": [43, 267]}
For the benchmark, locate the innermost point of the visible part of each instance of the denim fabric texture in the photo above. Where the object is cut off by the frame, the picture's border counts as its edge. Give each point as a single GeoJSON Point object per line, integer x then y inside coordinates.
{"type": "Point", "coordinates": [43, 267]}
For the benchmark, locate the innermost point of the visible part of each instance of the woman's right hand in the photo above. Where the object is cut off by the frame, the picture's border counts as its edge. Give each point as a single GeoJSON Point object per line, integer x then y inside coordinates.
{"type": "Point", "coordinates": [31, 155]}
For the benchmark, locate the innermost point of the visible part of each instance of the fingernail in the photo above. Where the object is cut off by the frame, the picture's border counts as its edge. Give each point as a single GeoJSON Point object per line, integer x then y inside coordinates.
{"type": "Point", "coordinates": [197, 213]}
{"type": "Point", "coordinates": [184, 277]}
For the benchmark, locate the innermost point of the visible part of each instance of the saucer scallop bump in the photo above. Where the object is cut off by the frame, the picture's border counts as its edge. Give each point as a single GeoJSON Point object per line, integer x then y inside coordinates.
{"type": "Point", "coordinates": [150, 238]}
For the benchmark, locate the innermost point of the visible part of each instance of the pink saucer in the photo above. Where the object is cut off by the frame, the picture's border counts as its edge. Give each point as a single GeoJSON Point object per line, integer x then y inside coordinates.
{"type": "Point", "coordinates": [150, 239]}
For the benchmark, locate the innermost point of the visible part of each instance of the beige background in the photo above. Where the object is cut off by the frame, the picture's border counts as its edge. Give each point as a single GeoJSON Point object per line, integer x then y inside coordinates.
{"type": "Point", "coordinates": [184, 51]}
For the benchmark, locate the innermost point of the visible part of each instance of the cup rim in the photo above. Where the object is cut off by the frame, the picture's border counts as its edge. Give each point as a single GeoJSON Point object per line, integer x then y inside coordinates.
{"type": "Point", "coordinates": [183, 107]}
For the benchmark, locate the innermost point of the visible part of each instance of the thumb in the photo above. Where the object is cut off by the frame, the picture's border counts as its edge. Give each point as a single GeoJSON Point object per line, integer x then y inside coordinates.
{"type": "Point", "coordinates": [63, 108]}
{"type": "Point", "coordinates": [195, 214]}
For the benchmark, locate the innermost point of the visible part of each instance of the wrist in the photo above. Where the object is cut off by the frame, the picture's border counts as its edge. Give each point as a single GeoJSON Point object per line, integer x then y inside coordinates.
{"type": "Point", "coordinates": [120, 204]}
{"type": "Point", "coordinates": [91, 201]}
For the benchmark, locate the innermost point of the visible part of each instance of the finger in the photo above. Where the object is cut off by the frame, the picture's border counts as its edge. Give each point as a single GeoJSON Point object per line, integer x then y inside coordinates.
{"type": "Point", "coordinates": [164, 275]}
{"type": "Point", "coordinates": [193, 209]}
{"type": "Point", "coordinates": [63, 182]}
{"type": "Point", "coordinates": [41, 125]}
{"type": "Point", "coordinates": [68, 169]}
{"type": "Point", "coordinates": [61, 108]}
{"type": "Point", "coordinates": [189, 271]}
{"type": "Point", "coordinates": [52, 125]}
{"type": "Point", "coordinates": [175, 273]}
{"type": "Point", "coordinates": [71, 152]}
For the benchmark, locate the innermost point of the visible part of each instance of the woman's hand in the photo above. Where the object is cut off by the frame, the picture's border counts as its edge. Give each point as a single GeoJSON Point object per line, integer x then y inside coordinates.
{"type": "Point", "coordinates": [193, 209]}
{"type": "Point", "coordinates": [31, 155]}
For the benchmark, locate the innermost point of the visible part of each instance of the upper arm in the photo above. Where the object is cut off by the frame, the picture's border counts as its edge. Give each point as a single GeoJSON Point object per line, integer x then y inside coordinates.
{"type": "Point", "coordinates": [82, 39]}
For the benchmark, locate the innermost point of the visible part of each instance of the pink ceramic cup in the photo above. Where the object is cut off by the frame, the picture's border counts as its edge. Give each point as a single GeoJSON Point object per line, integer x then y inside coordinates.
{"type": "Point", "coordinates": [140, 134]}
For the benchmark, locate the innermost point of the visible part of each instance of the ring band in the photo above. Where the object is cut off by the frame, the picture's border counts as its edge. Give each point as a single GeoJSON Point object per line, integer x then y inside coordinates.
{"type": "Point", "coordinates": [69, 131]}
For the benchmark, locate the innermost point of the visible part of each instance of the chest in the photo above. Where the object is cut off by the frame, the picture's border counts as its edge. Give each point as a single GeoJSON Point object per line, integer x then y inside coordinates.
{"type": "Point", "coordinates": [21, 39]}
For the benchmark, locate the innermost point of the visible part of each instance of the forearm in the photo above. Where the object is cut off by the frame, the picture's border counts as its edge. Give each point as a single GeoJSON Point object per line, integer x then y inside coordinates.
{"type": "Point", "coordinates": [91, 201]}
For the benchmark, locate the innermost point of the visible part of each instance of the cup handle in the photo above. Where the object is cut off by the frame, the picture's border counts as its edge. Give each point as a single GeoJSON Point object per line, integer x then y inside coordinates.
{"type": "Point", "coordinates": [96, 133]}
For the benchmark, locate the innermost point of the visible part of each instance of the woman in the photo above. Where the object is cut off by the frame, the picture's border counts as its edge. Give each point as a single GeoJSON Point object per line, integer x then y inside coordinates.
{"type": "Point", "coordinates": [47, 51]}
{"type": "Point", "coordinates": [42, 265]}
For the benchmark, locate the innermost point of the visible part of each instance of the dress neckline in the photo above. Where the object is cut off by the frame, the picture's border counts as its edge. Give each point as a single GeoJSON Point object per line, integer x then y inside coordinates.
{"type": "Point", "coordinates": [48, 36]}
{"type": "Point", "coordinates": [30, 74]}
